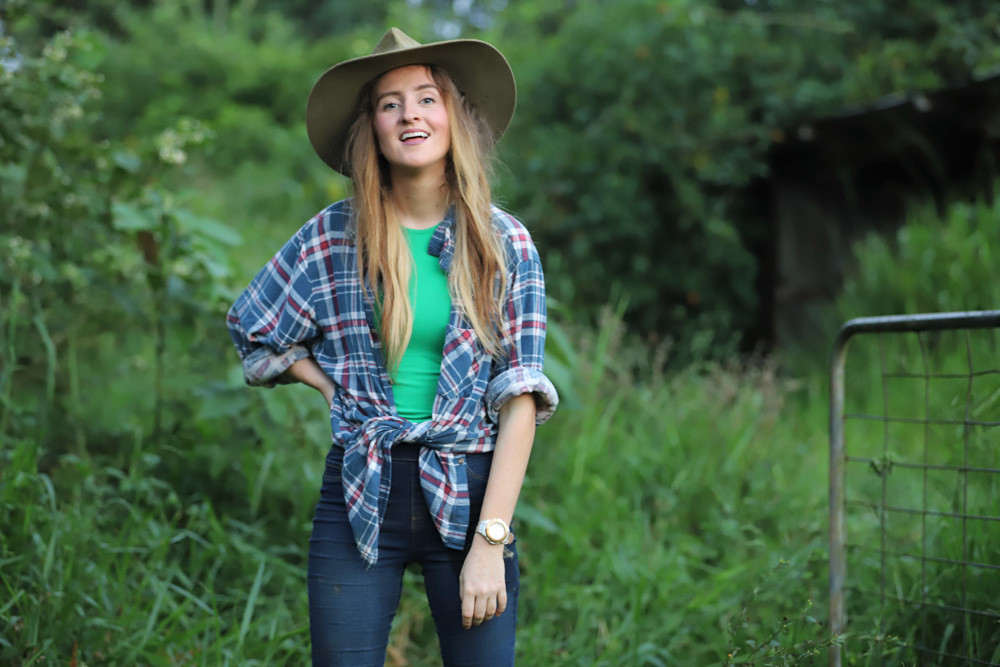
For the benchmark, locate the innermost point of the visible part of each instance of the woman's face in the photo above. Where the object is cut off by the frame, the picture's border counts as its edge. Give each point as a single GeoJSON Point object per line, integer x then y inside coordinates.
{"type": "Point", "coordinates": [411, 121]}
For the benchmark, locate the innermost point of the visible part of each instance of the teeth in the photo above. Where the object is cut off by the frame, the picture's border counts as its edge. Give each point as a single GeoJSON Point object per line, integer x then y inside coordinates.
{"type": "Point", "coordinates": [414, 135]}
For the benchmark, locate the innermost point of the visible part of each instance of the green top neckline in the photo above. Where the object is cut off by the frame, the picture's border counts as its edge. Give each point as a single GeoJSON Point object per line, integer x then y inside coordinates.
{"type": "Point", "coordinates": [421, 232]}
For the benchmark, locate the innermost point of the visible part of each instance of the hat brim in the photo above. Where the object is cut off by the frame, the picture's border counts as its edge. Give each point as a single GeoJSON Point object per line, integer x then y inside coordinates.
{"type": "Point", "coordinates": [479, 71]}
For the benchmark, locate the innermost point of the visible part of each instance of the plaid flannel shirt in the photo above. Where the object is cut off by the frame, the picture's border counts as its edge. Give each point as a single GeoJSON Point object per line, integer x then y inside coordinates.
{"type": "Point", "coordinates": [308, 301]}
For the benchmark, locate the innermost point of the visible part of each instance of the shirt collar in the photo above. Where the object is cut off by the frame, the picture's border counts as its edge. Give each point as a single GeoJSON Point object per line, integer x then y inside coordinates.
{"type": "Point", "coordinates": [442, 244]}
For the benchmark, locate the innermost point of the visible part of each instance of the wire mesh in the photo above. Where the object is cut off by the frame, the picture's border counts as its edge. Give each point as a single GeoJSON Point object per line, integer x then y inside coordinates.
{"type": "Point", "coordinates": [915, 490]}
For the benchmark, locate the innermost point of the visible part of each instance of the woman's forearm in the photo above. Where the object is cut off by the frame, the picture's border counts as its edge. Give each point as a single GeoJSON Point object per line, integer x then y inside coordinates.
{"type": "Point", "coordinates": [510, 458]}
{"type": "Point", "coordinates": [482, 581]}
{"type": "Point", "coordinates": [309, 373]}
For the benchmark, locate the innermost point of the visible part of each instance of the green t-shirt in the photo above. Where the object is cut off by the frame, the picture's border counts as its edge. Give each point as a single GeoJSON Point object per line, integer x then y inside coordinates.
{"type": "Point", "coordinates": [416, 379]}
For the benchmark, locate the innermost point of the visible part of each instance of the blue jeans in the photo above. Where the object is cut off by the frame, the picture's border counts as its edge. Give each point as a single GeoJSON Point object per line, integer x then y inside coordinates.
{"type": "Point", "coordinates": [351, 606]}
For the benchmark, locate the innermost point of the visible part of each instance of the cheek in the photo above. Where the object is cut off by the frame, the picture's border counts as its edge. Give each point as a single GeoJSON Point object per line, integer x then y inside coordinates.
{"type": "Point", "coordinates": [443, 120]}
{"type": "Point", "coordinates": [383, 133]}
{"type": "Point", "coordinates": [444, 128]}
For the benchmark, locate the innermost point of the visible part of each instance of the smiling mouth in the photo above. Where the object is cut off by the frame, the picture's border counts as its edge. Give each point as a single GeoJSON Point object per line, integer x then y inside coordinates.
{"type": "Point", "coordinates": [417, 134]}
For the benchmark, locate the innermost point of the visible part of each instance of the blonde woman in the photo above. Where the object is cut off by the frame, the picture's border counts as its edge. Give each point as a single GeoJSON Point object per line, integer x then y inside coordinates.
{"type": "Point", "coordinates": [417, 309]}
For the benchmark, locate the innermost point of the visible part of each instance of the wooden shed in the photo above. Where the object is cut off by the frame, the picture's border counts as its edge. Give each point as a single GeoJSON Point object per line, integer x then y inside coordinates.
{"type": "Point", "coordinates": [836, 179]}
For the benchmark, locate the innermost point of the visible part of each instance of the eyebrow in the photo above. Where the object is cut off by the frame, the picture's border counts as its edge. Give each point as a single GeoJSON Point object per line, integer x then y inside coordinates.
{"type": "Point", "coordinates": [422, 86]}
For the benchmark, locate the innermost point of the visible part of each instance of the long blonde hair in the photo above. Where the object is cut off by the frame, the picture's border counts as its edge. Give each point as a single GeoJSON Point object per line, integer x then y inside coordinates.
{"type": "Point", "coordinates": [384, 259]}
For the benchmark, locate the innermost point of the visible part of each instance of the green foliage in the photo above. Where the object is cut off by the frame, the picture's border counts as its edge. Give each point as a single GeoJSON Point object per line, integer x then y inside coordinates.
{"type": "Point", "coordinates": [90, 240]}
{"type": "Point", "coordinates": [669, 520]}
{"type": "Point", "coordinates": [614, 193]}
{"type": "Point", "coordinates": [113, 296]}
{"type": "Point", "coordinates": [104, 564]}
{"type": "Point", "coordinates": [940, 393]}
{"type": "Point", "coordinates": [153, 510]}
{"type": "Point", "coordinates": [935, 263]}
{"type": "Point", "coordinates": [641, 123]}
{"type": "Point", "coordinates": [444, 18]}
{"type": "Point", "coordinates": [253, 73]}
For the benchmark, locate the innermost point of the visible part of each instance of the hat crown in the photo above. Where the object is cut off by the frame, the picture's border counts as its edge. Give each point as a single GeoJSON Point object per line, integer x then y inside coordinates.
{"type": "Point", "coordinates": [394, 40]}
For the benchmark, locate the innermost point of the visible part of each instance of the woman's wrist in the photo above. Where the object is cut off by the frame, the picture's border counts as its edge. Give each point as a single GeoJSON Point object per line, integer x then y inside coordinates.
{"type": "Point", "coordinates": [481, 545]}
{"type": "Point", "coordinates": [309, 373]}
{"type": "Point", "coordinates": [328, 392]}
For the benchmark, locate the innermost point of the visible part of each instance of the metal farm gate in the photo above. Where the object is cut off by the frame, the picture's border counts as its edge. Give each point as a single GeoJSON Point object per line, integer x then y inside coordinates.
{"type": "Point", "coordinates": [915, 490]}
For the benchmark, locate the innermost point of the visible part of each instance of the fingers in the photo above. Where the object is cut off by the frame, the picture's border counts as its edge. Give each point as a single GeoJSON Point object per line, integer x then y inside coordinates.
{"type": "Point", "coordinates": [476, 610]}
{"type": "Point", "coordinates": [491, 608]}
{"type": "Point", "coordinates": [468, 607]}
{"type": "Point", "coordinates": [482, 610]}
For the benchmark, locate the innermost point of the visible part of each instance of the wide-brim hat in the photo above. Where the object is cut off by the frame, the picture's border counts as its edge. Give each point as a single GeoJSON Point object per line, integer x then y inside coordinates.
{"type": "Point", "coordinates": [480, 72]}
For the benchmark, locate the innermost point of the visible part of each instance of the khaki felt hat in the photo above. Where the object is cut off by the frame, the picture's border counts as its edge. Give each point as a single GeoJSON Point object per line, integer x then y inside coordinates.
{"type": "Point", "coordinates": [480, 72]}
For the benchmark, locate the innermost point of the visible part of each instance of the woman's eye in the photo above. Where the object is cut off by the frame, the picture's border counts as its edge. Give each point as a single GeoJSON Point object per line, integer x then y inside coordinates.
{"type": "Point", "coordinates": [428, 100]}
{"type": "Point", "coordinates": [389, 106]}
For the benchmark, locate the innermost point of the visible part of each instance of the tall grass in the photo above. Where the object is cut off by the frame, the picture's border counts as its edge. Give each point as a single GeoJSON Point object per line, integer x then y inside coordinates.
{"type": "Point", "coordinates": [673, 519]}
{"type": "Point", "coordinates": [109, 565]}
{"type": "Point", "coordinates": [920, 433]}
{"type": "Point", "coordinates": [935, 263]}
{"type": "Point", "coordinates": [665, 520]}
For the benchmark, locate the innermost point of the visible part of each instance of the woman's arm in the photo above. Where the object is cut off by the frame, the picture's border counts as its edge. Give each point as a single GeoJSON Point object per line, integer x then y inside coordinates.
{"type": "Point", "coordinates": [308, 372]}
{"type": "Point", "coordinates": [272, 320]}
{"type": "Point", "coordinates": [482, 585]}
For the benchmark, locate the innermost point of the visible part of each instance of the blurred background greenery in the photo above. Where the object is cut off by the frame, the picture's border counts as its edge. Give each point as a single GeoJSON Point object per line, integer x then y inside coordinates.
{"type": "Point", "coordinates": [153, 510]}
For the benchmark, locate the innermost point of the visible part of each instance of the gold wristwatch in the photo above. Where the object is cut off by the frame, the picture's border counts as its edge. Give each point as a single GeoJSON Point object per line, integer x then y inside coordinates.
{"type": "Point", "coordinates": [494, 530]}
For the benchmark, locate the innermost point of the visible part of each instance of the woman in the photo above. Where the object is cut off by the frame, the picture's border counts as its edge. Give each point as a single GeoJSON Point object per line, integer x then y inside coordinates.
{"type": "Point", "coordinates": [417, 309]}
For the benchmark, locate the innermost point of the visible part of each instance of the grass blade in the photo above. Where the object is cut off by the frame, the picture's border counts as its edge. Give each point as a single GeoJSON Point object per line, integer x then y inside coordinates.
{"type": "Point", "coordinates": [251, 602]}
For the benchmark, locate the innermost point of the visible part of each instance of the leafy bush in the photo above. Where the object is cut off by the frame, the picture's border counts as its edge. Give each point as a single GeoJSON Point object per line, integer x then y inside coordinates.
{"type": "Point", "coordinates": [935, 263]}
{"type": "Point", "coordinates": [252, 73]}
{"type": "Point", "coordinates": [94, 248]}
{"type": "Point", "coordinates": [640, 124]}
{"type": "Point", "coordinates": [130, 531]}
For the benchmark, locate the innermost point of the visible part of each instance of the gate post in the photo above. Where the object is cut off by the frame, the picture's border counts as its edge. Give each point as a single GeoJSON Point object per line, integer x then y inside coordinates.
{"type": "Point", "coordinates": [838, 556]}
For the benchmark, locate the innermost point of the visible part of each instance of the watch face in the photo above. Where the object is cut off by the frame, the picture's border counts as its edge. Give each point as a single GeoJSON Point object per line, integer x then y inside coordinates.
{"type": "Point", "coordinates": [495, 531]}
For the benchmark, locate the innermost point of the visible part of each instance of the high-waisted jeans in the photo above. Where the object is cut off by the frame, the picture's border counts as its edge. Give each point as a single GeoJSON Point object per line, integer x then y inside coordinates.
{"type": "Point", "coordinates": [351, 606]}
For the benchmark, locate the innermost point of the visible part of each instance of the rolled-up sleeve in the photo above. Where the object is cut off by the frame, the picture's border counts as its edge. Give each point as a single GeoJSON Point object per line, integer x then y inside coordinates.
{"type": "Point", "coordinates": [524, 344]}
{"type": "Point", "coordinates": [272, 320]}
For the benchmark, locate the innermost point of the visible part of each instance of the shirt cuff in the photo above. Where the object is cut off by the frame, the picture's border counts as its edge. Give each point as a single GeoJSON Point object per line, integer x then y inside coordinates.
{"type": "Point", "coordinates": [516, 381]}
{"type": "Point", "coordinates": [263, 367]}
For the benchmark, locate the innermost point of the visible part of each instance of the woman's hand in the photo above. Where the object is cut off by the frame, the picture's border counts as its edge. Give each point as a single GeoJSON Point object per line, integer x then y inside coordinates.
{"type": "Point", "coordinates": [482, 583]}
